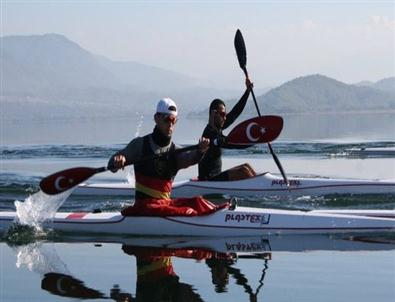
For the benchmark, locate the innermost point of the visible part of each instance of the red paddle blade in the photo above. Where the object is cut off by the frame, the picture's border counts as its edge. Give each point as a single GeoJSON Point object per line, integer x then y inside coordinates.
{"type": "Point", "coordinates": [64, 180]}
{"type": "Point", "coordinates": [257, 130]}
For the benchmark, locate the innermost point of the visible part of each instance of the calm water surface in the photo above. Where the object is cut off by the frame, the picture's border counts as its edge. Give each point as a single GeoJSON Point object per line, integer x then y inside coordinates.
{"type": "Point", "coordinates": [301, 269]}
{"type": "Point", "coordinates": [310, 268]}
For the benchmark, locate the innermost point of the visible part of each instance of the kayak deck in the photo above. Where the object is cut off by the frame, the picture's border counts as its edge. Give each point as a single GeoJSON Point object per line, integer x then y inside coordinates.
{"type": "Point", "coordinates": [265, 184]}
{"type": "Point", "coordinates": [243, 221]}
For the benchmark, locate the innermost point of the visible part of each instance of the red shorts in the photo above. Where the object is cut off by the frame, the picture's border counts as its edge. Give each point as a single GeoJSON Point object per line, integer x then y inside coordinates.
{"type": "Point", "coordinates": [194, 206]}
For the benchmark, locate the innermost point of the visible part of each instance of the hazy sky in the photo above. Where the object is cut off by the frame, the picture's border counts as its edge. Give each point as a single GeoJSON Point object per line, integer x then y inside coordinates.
{"type": "Point", "coordinates": [347, 40]}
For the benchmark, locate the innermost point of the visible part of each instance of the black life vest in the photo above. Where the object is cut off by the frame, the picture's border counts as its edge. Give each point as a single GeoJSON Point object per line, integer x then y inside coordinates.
{"type": "Point", "coordinates": [154, 178]}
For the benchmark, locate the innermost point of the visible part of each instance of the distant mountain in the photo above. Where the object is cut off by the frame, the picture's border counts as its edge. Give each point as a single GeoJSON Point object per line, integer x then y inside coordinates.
{"type": "Point", "coordinates": [364, 83]}
{"type": "Point", "coordinates": [146, 77]}
{"type": "Point", "coordinates": [49, 63]}
{"type": "Point", "coordinates": [49, 76]}
{"type": "Point", "coordinates": [319, 94]}
{"type": "Point", "coordinates": [387, 84]}
{"type": "Point", "coordinates": [54, 77]}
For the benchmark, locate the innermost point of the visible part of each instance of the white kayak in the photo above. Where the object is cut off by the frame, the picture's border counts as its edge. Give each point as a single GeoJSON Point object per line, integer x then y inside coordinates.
{"type": "Point", "coordinates": [384, 151]}
{"type": "Point", "coordinates": [265, 184]}
{"type": "Point", "coordinates": [243, 221]}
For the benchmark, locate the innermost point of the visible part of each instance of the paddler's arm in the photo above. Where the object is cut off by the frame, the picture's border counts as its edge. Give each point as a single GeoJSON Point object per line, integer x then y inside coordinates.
{"type": "Point", "coordinates": [239, 107]}
{"type": "Point", "coordinates": [130, 154]}
{"type": "Point", "coordinates": [220, 141]}
{"type": "Point", "coordinates": [189, 158]}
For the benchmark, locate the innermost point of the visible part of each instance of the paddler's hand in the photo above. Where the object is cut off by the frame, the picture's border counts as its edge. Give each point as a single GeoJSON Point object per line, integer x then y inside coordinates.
{"type": "Point", "coordinates": [219, 141]}
{"type": "Point", "coordinates": [249, 84]}
{"type": "Point", "coordinates": [204, 143]}
{"type": "Point", "coordinates": [119, 161]}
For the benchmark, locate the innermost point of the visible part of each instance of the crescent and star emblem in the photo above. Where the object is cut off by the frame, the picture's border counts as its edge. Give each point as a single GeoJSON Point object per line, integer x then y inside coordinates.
{"type": "Point", "coordinates": [57, 183]}
{"type": "Point", "coordinates": [59, 286]}
{"type": "Point", "coordinates": [249, 134]}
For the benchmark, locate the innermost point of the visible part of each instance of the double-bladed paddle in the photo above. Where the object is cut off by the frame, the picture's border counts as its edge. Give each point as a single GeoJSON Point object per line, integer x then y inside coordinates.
{"type": "Point", "coordinates": [242, 58]}
{"type": "Point", "coordinates": [257, 130]}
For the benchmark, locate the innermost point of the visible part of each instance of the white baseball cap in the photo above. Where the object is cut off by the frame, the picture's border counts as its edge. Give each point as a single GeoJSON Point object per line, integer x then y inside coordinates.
{"type": "Point", "coordinates": [167, 106]}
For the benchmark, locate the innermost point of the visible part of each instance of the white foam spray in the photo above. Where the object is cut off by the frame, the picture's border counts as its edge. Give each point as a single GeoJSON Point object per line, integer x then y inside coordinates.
{"type": "Point", "coordinates": [130, 176]}
{"type": "Point", "coordinates": [39, 208]}
{"type": "Point", "coordinates": [130, 172]}
{"type": "Point", "coordinates": [40, 258]}
{"type": "Point", "coordinates": [139, 125]}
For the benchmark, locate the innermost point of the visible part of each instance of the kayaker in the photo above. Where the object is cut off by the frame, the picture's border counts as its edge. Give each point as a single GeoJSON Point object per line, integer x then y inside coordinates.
{"type": "Point", "coordinates": [154, 177]}
{"type": "Point", "coordinates": [210, 167]}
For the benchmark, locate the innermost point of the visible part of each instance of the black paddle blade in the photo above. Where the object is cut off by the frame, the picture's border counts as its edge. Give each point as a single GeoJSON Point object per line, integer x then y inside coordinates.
{"type": "Point", "coordinates": [240, 49]}
{"type": "Point", "coordinates": [64, 180]}
{"type": "Point", "coordinates": [258, 130]}
{"type": "Point", "coordinates": [68, 286]}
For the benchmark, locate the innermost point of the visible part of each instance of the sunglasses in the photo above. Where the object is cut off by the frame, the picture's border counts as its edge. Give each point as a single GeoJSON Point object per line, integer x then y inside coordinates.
{"type": "Point", "coordinates": [169, 118]}
{"type": "Point", "coordinates": [220, 113]}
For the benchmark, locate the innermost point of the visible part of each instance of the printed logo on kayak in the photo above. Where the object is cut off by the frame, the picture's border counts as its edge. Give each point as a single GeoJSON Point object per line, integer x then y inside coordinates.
{"type": "Point", "coordinates": [292, 183]}
{"type": "Point", "coordinates": [251, 218]}
{"type": "Point", "coordinates": [248, 247]}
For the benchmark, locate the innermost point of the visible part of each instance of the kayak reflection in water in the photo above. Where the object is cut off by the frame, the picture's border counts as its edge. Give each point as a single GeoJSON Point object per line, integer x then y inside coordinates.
{"type": "Point", "coordinates": [156, 279]}
{"type": "Point", "coordinates": [156, 163]}
{"type": "Point", "coordinates": [222, 268]}
{"type": "Point", "coordinates": [68, 286]}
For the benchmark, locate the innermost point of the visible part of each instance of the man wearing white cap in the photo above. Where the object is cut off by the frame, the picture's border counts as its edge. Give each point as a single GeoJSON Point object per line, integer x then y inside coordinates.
{"type": "Point", "coordinates": [154, 177]}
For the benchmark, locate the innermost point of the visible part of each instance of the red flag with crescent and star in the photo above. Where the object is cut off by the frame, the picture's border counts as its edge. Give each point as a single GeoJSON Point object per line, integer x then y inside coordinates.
{"type": "Point", "coordinates": [258, 130]}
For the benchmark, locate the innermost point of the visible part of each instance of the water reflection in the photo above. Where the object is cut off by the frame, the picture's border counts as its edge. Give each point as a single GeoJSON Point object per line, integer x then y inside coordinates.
{"type": "Point", "coordinates": [221, 269]}
{"type": "Point", "coordinates": [158, 280]}
{"type": "Point", "coordinates": [68, 286]}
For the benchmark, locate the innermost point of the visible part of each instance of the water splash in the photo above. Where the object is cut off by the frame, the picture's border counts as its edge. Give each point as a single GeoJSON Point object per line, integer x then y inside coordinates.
{"type": "Point", "coordinates": [130, 176]}
{"type": "Point", "coordinates": [130, 173]}
{"type": "Point", "coordinates": [40, 258]}
{"type": "Point", "coordinates": [55, 276]}
{"type": "Point", "coordinates": [39, 208]}
{"type": "Point", "coordinates": [22, 234]}
{"type": "Point", "coordinates": [139, 125]}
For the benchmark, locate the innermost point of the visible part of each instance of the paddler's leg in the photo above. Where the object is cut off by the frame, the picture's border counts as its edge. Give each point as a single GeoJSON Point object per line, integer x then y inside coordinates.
{"type": "Point", "coordinates": [251, 171]}
{"type": "Point", "coordinates": [241, 172]}
{"type": "Point", "coordinates": [173, 207]}
{"type": "Point", "coordinates": [147, 207]}
{"type": "Point", "coordinates": [158, 207]}
{"type": "Point", "coordinates": [199, 204]}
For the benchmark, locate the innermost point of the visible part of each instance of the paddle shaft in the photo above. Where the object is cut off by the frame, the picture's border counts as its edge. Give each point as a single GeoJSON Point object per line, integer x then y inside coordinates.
{"type": "Point", "coordinates": [66, 179]}
{"type": "Point", "coordinates": [244, 68]}
{"type": "Point", "coordinates": [276, 160]}
{"type": "Point", "coordinates": [146, 158]}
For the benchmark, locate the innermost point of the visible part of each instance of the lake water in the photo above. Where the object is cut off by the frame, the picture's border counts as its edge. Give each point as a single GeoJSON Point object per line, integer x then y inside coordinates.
{"type": "Point", "coordinates": [279, 268]}
{"type": "Point", "coordinates": [331, 127]}
{"type": "Point", "coordinates": [61, 271]}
